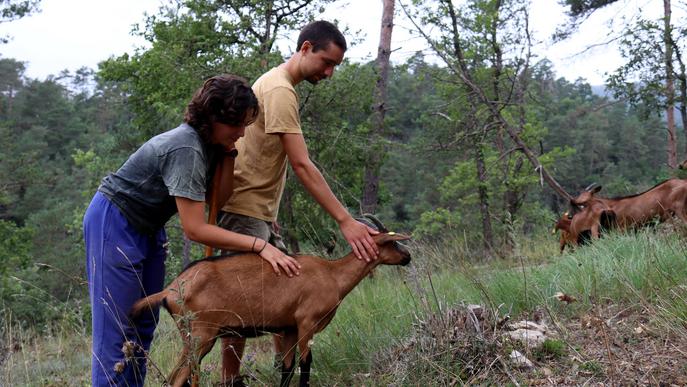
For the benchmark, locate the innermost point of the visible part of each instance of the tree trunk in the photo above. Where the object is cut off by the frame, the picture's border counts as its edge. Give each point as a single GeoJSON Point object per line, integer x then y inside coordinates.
{"type": "Point", "coordinates": [683, 116]}
{"type": "Point", "coordinates": [670, 87]}
{"type": "Point", "coordinates": [374, 160]}
{"type": "Point", "coordinates": [682, 98]}
{"type": "Point", "coordinates": [487, 232]}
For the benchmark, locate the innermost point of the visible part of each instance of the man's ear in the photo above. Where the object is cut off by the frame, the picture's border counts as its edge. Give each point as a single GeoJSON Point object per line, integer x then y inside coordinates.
{"type": "Point", "coordinates": [306, 46]}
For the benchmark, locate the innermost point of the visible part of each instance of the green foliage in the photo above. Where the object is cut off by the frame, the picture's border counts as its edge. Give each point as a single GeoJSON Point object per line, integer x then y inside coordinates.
{"type": "Point", "coordinates": [438, 223]}
{"type": "Point", "coordinates": [578, 11]}
{"type": "Point", "coordinates": [193, 40]}
{"type": "Point", "coordinates": [16, 9]}
{"type": "Point", "coordinates": [15, 246]}
{"type": "Point", "coordinates": [582, 8]}
{"type": "Point", "coordinates": [45, 190]}
{"type": "Point", "coordinates": [641, 77]}
{"type": "Point", "coordinates": [11, 10]}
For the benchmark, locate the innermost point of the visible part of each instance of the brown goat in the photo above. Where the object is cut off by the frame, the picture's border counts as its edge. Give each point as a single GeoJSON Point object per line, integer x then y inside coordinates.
{"type": "Point", "coordinates": [590, 222]}
{"type": "Point", "coordinates": [242, 296]}
{"type": "Point", "coordinates": [582, 229]}
{"type": "Point", "coordinates": [563, 225]}
{"type": "Point", "coordinates": [662, 201]}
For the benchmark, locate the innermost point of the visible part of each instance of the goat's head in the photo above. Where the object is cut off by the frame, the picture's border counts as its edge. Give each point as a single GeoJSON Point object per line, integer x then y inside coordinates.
{"type": "Point", "coordinates": [391, 252]}
{"type": "Point", "coordinates": [563, 223]}
{"type": "Point", "coordinates": [583, 200]}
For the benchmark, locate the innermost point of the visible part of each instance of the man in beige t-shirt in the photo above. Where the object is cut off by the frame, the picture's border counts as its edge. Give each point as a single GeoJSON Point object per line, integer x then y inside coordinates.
{"type": "Point", "coordinates": [274, 139]}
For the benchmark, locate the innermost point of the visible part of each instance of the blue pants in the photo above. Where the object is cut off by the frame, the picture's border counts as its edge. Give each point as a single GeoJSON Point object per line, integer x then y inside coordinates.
{"type": "Point", "coordinates": [123, 266]}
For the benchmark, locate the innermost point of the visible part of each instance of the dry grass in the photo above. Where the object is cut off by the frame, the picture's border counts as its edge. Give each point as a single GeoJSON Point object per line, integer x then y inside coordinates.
{"type": "Point", "coordinates": [412, 327]}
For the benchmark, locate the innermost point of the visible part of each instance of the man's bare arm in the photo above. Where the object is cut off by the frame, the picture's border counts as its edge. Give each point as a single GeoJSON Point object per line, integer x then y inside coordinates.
{"type": "Point", "coordinates": [356, 233]}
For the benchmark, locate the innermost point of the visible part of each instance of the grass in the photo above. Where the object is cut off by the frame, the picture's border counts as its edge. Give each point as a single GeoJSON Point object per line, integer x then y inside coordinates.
{"type": "Point", "coordinates": [646, 268]}
{"type": "Point", "coordinates": [57, 355]}
{"type": "Point", "coordinates": [550, 349]}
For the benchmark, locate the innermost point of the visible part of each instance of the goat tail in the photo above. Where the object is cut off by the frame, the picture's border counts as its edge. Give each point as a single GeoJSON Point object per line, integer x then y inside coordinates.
{"type": "Point", "coordinates": [148, 303]}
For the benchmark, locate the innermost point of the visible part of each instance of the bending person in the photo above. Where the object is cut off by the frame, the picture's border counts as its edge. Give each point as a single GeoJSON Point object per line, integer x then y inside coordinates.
{"type": "Point", "coordinates": [124, 224]}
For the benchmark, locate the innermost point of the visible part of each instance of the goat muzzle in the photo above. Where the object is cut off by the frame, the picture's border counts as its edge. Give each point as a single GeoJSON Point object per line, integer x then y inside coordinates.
{"type": "Point", "coordinates": [405, 261]}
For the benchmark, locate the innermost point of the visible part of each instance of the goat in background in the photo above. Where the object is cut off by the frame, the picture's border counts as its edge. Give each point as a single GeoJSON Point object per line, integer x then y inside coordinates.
{"type": "Point", "coordinates": [563, 226]}
{"type": "Point", "coordinates": [582, 233]}
{"type": "Point", "coordinates": [594, 213]}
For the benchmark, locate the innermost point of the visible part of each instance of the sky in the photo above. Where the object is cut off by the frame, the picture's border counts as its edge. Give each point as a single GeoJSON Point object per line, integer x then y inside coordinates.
{"type": "Point", "coordinates": [69, 34]}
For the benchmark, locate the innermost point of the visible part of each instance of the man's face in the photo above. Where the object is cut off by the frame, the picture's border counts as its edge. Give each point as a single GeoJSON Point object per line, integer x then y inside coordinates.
{"type": "Point", "coordinates": [316, 66]}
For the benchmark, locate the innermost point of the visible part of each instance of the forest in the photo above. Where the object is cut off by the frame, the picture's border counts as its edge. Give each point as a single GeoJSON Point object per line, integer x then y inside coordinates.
{"type": "Point", "coordinates": [470, 146]}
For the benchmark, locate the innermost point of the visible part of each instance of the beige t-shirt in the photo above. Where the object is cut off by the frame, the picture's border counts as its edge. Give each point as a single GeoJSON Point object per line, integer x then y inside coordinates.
{"type": "Point", "coordinates": [260, 169]}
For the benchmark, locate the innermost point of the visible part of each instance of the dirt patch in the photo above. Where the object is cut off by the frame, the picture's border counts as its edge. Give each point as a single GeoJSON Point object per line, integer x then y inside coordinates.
{"type": "Point", "coordinates": [610, 345]}
{"type": "Point", "coordinates": [619, 346]}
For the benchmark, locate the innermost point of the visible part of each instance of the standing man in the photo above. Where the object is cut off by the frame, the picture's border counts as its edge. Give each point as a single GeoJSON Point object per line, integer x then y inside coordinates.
{"type": "Point", "coordinates": [274, 138]}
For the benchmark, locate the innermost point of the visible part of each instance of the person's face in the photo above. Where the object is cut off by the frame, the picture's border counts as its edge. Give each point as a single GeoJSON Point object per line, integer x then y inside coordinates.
{"type": "Point", "coordinates": [225, 134]}
{"type": "Point", "coordinates": [316, 66]}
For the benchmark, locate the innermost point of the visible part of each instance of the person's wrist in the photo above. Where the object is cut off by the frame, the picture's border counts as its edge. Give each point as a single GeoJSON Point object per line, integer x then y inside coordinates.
{"type": "Point", "coordinates": [343, 219]}
{"type": "Point", "coordinates": [263, 247]}
{"type": "Point", "coordinates": [252, 246]}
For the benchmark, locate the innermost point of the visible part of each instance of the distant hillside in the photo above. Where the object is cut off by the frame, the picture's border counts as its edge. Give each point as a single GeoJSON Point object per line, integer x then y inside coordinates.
{"type": "Point", "coordinates": [601, 91]}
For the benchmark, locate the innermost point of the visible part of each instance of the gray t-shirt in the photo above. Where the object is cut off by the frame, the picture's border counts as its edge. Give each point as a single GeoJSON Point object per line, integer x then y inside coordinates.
{"type": "Point", "coordinates": [174, 163]}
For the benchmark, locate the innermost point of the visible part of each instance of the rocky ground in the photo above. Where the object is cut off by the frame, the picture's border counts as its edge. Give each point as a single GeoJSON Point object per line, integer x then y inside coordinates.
{"type": "Point", "coordinates": [606, 346]}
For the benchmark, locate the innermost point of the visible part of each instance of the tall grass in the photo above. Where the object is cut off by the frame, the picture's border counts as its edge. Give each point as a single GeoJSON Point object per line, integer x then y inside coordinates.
{"type": "Point", "coordinates": [55, 355]}
{"type": "Point", "coordinates": [645, 268]}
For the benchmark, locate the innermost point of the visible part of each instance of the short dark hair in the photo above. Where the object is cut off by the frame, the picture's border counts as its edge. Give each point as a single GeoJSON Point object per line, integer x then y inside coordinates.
{"type": "Point", "coordinates": [320, 33]}
{"type": "Point", "coordinates": [226, 99]}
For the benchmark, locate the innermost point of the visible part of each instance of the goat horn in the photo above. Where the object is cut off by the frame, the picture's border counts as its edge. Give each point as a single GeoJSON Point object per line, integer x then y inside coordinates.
{"type": "Point", "coordinates": [591, 186]}
{"type": "Point", "coordinates": [377, 222]}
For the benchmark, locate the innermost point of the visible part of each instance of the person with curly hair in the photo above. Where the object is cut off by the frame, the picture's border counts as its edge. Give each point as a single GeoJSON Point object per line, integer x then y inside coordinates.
{"type": "Point", "coordinates": [124, 224]}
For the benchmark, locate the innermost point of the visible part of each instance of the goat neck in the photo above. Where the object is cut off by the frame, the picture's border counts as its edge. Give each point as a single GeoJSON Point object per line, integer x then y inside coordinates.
{"type": "Point", "coordinates": [349, 271]}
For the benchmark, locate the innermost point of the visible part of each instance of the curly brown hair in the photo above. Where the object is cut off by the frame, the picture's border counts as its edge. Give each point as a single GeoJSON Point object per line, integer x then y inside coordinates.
{"type": "Point", "coordinates": [227, 99]}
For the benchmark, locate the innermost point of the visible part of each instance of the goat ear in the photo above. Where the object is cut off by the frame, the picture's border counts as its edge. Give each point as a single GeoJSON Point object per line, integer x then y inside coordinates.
{"type": "Point", "coordinates": [596, 189]}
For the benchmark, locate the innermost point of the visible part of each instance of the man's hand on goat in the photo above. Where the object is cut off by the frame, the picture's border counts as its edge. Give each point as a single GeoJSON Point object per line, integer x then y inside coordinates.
{"type": "Point", "coordinates": [278, 260]}
{"type": "Point", "coordinates": [359, 237]}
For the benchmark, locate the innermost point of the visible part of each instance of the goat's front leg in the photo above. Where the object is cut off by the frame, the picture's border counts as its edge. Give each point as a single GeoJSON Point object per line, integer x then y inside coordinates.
{"type": "Point", "coordinates": [197, 345]}
{"type": "Point", "coordinates": [307, 329]}
{"type": "Point", "coordinates": [595, 231]}
{"type": "Point", "coordinates": [305, 362]}
{"type": "Point", "coordinates": [289, 362]}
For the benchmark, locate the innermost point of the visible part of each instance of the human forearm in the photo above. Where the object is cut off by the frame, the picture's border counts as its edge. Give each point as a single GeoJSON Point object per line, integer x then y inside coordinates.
{"type": "Point", "coordinates": [317, 186]}
{"type": "Point", "coordinates": [220, 238]}
{"type": "Point", "coordinates": [356, 233]}
{"type": "Point", "coordinates": [191, 214]}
